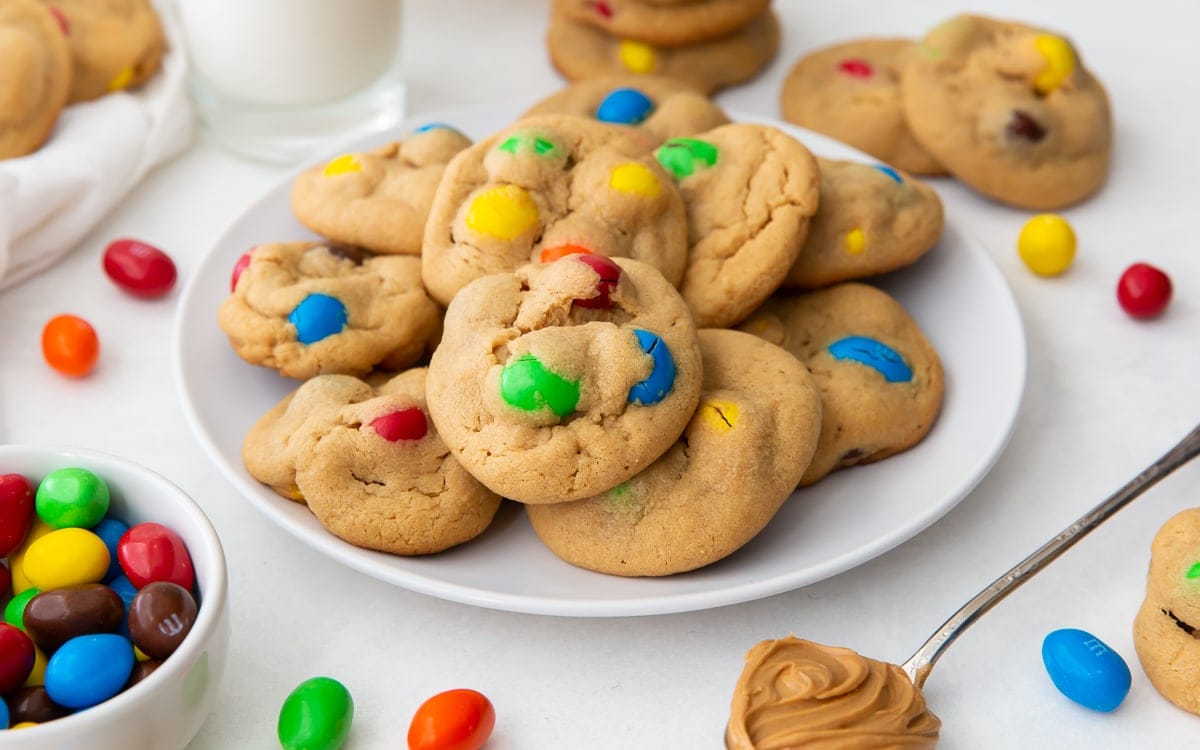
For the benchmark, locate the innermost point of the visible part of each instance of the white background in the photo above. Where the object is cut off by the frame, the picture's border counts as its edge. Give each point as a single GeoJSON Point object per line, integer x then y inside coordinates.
{"type": "Point", "coordinates": [1106, 396]}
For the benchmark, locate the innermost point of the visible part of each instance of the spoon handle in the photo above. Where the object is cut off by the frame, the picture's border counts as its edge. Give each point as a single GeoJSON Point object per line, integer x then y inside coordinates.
{"type": "Point", "coordinates": [920, 664]}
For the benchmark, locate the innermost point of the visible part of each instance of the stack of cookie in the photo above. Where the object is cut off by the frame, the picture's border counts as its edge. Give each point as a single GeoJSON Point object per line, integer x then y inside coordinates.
{"type": "Point", "coordinates": [1007, 108]}
{"type": "Point", "coordinates": [709, 44]}
{"type": "Point", "coordinates": [619, 352]}
{"type": "Point", "coordinates": [60, 52]}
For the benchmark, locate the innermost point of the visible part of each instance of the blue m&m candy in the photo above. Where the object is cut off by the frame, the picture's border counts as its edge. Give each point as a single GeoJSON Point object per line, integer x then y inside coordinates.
{"type": "Point", "coordinates": [662, 376]}
{"type": "Point", "coordinates": [890, 173]}
{"type": "Point", "coordinates": [625, 107]}
{"type": "Point", "coordinates": [89, 669]}
{"type": "Point", "coordinates": [874, 354]}
{"type": "Point", "coordinates": [1086, 670]}
{"type": "Point", "coordinates": [318, 316]}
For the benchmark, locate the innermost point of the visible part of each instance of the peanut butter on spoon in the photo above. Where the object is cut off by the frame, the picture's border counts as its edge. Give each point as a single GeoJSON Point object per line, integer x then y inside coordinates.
{"type": "Point", "coordinates": [795, 694]}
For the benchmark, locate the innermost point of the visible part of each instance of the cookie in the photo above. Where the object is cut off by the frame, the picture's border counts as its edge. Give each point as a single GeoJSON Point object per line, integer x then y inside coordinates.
{"type": "Point", "coordinates": [666, 24]}
{"type": "Point", "coordinates": [545, 186]}
{"type": "Point", "coordinates": [881, 381]}
{"type": "Point", "coordinates": [560, 381]}
{"type": "Point", "coordinates": [34, 78]}
{"type": "Point", "coordinates": [872, 219]}
{"type": "Point", "coordinates": [658, 108]}
{"type": "Point", "coordinates": [380, 199]}
{"type": "Point", "coordinates": [1011, 111]}
{"type": "Point", "coordinates": [851, 92]}
{"type": "Point", "coordinates": [115, 44]}
{"type": "Point", "coordinates": [1166, 626]}
{"type": "Point", "coordinates": [794, 693]}
{"type": "Point", "coordinates": [578, 51]}
{"type": "Point", "coordinates": [737, 461]}
{"type": "Point", "coordinates": [370, 466]}
{"type": "Point", "coordinates": [750, 191]}
{"type": "Point", "coordinates": [304, 309]}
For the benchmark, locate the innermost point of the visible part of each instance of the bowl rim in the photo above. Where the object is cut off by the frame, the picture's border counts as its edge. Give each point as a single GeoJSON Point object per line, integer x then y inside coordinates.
{"type": "Point", "coordinates": [213, 594]}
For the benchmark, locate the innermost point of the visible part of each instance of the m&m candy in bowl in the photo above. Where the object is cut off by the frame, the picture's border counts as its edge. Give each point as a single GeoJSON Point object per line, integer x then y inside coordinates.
{"type": "Point", "coordinates": [117, 629]}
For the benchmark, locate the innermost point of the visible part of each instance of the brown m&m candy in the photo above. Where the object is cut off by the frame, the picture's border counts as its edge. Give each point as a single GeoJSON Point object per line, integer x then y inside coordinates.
{"type": "Point", "coordinates": [56, 616]}
{"type": "Point", "coordinates": [160, 617]}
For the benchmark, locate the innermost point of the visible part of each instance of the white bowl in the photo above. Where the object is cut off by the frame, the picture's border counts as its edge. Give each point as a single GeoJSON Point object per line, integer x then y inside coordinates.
{"type": "Point", "coordinates": [165, 710]}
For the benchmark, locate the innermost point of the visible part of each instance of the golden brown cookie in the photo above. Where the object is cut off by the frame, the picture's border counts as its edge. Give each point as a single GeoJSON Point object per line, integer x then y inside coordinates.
{"type": "Point", "coordinates": [380, 199]}
{"type": "Point", "coordinates": [881, 381]}
{"type": "Point", "coordinates": [669, 24]}
{"type": "Point", "coordinates": [35, 76]}
{"type": "Point", "coordinates": [305, 308]}
{"type": "Point", "coordinates": [560, 381]}
{"type": "Point", "coordinates": [872, 219]}
{"type": "Point", "coordinates": [547, 186]}
{"type": "Point", "coordinates": [115, 44]}
{"type": "Point", "coordinates": [1010, 110]}
{"type": "Point", "coordinates": [750, 191]}
{"type": "Point", "coordinates": [739, 459]}
{"type": "Point", "coordinates": [851, 92]}
{"type": "Point", "coordinates": [658, 108]}
{"type": "Point", "coordinates": [579, 51]}
{"type": "Point", "coordinates": [1167, 624]}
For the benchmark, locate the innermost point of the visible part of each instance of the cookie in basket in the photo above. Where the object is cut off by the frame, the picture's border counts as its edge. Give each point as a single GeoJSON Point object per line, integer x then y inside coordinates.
{"type": "Point", "coordinates": [851, 92]}
{"type": "Point", "coordinates": [658, 108]}
{"type": "Point", "coordinates": [370, 465]}
{"type": "Point", "coordinates": [750, 192]}
{"type": "Point", "coordinates": [1011, 111]}
{"type": "Point", "coordinates": [738, 460]}
{"type": "Point", "coordinates": [872, 219]}
{"type": "Point", "coordinates": [667, 24]}
{"type": "Point", "coordinates": [579, 51]}
{"type": "Point", "coordinates": [546, 186]}
{"type": "Point", "coordinates": [306, 308]}
{"type": "Point", "coordinates": [115, 44]}
{"type": "Point", "coordinates": [881, 381]}
{"type": "Point", "coordinates": [1165, 628]}
{"type": "Point", "coordinates": [378, 200]}
{"type": "Point", "coordinates": [35, 76]}
{"type": "Point", "coordinates": [560, 381]}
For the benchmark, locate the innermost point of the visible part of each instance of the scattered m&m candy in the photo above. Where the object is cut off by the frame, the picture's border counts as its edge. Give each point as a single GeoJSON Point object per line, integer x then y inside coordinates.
{"type": "Point", "coordinates": [138, 268]}
{"type": "Point", "coordinates": [1047, 244]}
{"type": "Point", "coordinates": [1144, 291]}
{"type": "Point", "coordinates": [316, 716]}
{"type": "Point", "coordinates": [460, 719]}
{"type": "Point", "coordinates": [70, 345]}
{"type": "Point", "coordinates": [1085, 669]}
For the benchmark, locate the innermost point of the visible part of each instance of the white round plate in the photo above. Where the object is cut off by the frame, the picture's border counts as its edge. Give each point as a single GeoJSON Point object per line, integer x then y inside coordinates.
{"type": "Point", "coordinates": [955, 293]}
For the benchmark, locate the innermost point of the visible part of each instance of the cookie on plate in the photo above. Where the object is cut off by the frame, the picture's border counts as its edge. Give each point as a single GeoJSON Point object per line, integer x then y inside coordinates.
{"type": "Point", "coordinates": [370, 466]}
{"type": "Point", "coordinates": [546, 186]}
{"type": "Point", "coordinates": [579, 51]}
{"type": "Point", "coordinates": [306, 308]}
{"type": "Point", "coordinates": [750, 191]}
{"type": "Point", "coordinates": [738, 460]}
{"type": "Point", "coordinates": [378, 200]}
{"type": "Point", "coordinates": [1165, 629]}
{"type": "Point", "coordinates": [1011, 111]}
{"type": "Point", "coordinates": [872, 219]}
{"type": "Point", "coordinates": [560, 381]}
{"type": "Point", "coordinates": [851, 92]}
{"type": "Point", "coordinates": [35, 76]}
{"type": "Point", "coordinates": [667, 24]}
{"type": "Point", "coordinates": [659, 108]}
{"type": "Point", "coordinates": [881, 381]}
{"type": "Point", "coordinates": [115, 44]}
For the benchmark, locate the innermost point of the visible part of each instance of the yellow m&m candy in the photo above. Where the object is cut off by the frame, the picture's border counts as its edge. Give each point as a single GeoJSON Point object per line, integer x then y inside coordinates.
{"type": "Point", "coordinates": [635, 179]}
{"type": "Point", "coordinates": [65, 558]}
{"type": "Point", "coordinates": [344, 164]}
{"type": "Point", "coordinates": [504, 212]}
{"type": "Point", "coordinates": [1047, 244]}
{"type": "Point", "coordinates": [1060, 62]}
{"type": "Point", "coordinates": [719, 414]}
{"type": "Point", "coordinates": [637, 57]}
{"type": "Point", "coordinates": [856, 241]}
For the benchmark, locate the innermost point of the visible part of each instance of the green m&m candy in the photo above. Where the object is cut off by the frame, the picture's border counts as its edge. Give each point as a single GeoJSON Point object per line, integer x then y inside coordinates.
{"type": "Point", "coordinates": [316, 715]}
{"type": "Point", "coordinates": [683, 156]}
{"type": "Point", "coordinates": [72, 498]}
{"type": "Point", "coordinates": [525, 383]}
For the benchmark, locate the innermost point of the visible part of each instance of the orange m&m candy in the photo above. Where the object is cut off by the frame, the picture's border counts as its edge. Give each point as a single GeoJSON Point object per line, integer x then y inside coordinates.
{"type": "Point", "coordinates": [70, 345]}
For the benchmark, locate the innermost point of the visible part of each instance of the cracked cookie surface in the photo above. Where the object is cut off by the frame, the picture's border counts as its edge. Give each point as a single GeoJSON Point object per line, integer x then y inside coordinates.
{"type": "Point", "coordinates": [738, 460]}
{"type": "Point", "coordinates": [542, 186]}
{"type": "Point", "coordinates": [115, 44]}
{"type": "Point", "coordinates": [872, 219]}
{"type": "Point", "coordinates": [880, 379]}
{"type": "Point", "coordinates": [306, 308]}
{"type": "Point", "coordinates": [35, 76]}
{"type": "Point", "coordinates": [561, 381]}
{"type": "Point", "coordinates": [379, 199]}
{"type": "Point", "coordinates": [750, 191]}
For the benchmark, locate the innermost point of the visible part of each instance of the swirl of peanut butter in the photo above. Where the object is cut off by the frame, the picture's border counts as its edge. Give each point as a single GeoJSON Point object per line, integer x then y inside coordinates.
{"type": "Point", "coordinates": [798, 694]}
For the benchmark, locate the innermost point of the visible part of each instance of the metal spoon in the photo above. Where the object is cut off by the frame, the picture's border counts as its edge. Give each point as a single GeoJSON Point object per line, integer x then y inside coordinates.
{"type": "Point", "coordinates": [920, 664]}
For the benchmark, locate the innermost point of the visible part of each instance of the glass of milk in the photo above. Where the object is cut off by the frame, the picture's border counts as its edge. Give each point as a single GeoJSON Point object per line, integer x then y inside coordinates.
{"type": "Point", "coordinates": [277, 79]}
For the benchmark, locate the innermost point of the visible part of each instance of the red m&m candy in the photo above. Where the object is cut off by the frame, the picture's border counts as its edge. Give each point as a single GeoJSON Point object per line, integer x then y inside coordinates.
{"type": "Point", "coordinates": [1143, 290]}
{"type": "Point", "coordinates": [140, 269]}
{"type": "Point", "coordinates": [151, 552]}
{"type": "Point", "coordinates": [16, 511]}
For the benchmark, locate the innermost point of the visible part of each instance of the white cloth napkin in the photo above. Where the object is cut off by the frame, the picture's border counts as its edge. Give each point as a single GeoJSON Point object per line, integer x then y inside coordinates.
{"type": "Point", "coordinates": [98, 151]}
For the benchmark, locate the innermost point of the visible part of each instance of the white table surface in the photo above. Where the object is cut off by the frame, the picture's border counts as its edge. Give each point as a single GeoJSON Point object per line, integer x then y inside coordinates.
{"type": "Point", "coordinates": [1106, 395]}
